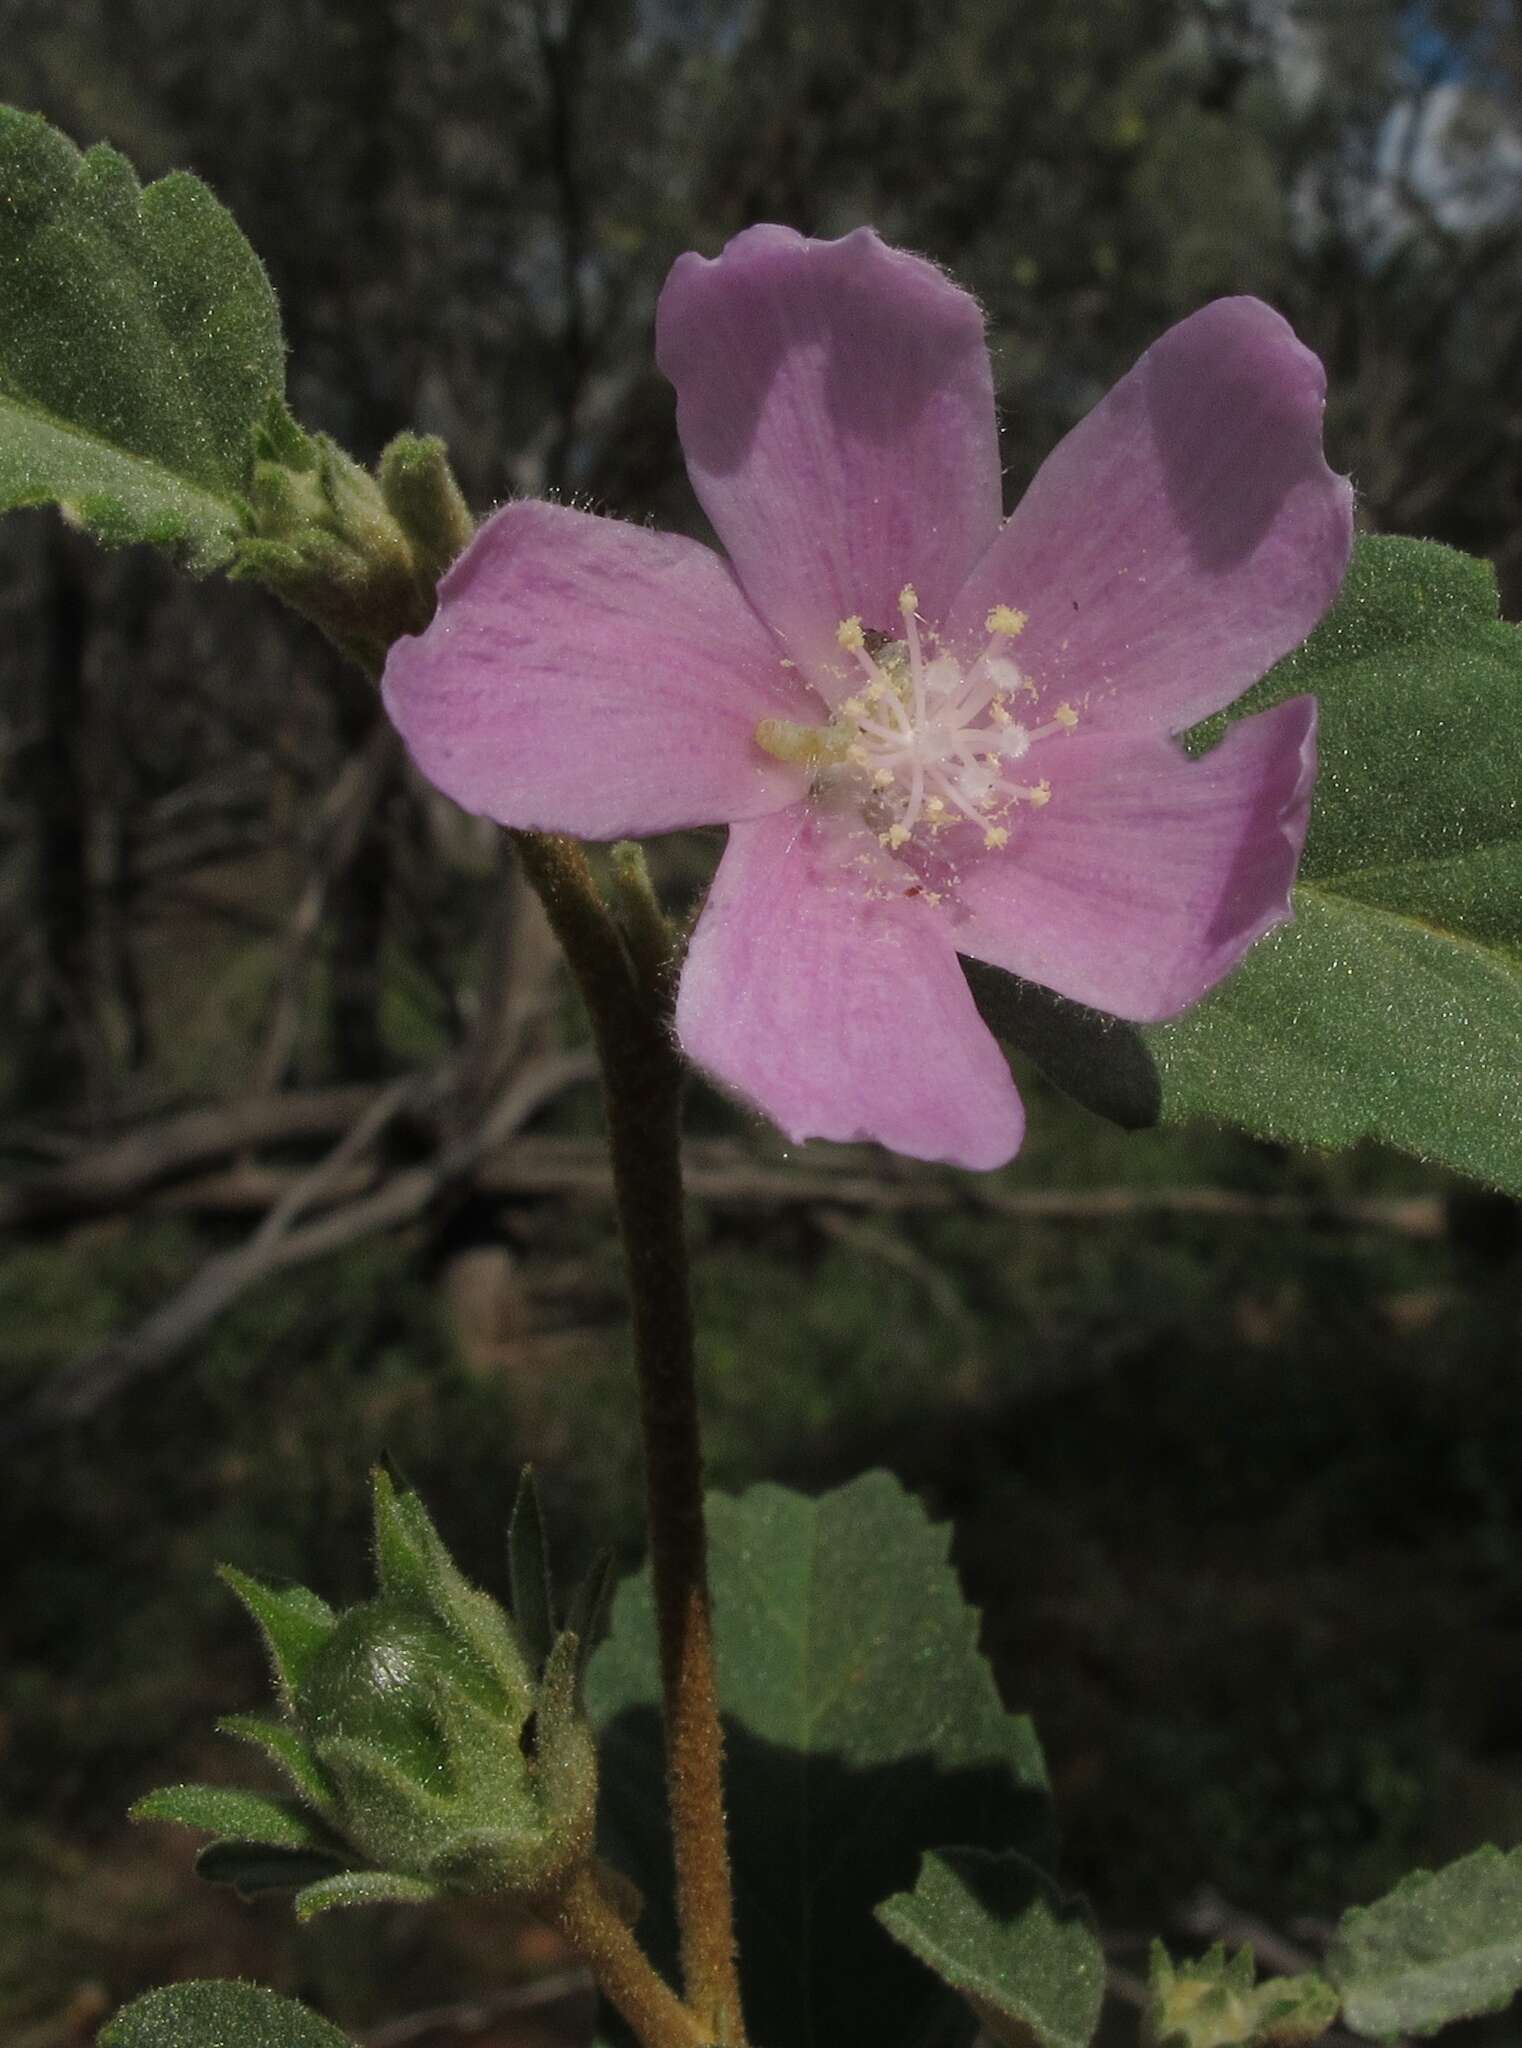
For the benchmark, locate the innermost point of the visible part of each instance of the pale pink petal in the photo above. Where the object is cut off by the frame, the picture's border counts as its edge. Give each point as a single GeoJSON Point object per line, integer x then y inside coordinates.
{"type": "Point", "coordinates": [1183, 537]}
{"type": "Point", "coordinates": [1148, 875]}
{"type": "Point", "coordinates": [589, 677]}
{"type": "Point", "coordinates": [836, 409]}
{"type": "Point", "coordinates": [837, 1010]}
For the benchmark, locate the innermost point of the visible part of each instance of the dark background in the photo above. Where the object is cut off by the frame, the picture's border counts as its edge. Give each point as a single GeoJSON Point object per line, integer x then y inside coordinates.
{"type": "Point", "coordinates": [1233, 1452]}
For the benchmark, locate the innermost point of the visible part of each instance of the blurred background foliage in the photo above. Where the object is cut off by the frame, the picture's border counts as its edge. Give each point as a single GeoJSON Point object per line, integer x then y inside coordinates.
{"type": "Point", "coordinates": [1232, 1437]}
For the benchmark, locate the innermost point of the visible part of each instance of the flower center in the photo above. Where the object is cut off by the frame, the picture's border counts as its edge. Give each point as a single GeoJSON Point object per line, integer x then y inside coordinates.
{"type": "Point", "coordinates": [926, 743]}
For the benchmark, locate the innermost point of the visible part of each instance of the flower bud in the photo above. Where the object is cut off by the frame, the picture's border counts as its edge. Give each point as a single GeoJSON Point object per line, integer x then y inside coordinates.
{"type": "Point", "coordinates": [439, 1768]}
{"type": "Point", "coordinates": [433, 1745]}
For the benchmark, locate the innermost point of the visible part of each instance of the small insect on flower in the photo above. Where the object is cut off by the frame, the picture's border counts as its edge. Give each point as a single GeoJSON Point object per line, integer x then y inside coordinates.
{"type": "Point", "coordinates": [930, 730]}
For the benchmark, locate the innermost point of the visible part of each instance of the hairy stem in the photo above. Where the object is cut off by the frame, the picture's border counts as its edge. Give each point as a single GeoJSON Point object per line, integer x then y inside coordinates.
{"type": "Point", "coordinates": [590, 1923]}
{"type": "Point", "coordinates": [625, 992]}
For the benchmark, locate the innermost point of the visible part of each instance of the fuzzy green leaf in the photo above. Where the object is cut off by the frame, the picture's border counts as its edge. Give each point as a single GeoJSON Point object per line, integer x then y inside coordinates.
{"type": "Point", "coordinates": [211, 2015]}
{"type": "Point", "coordinates": [294, 1621]}
{"type": "Point", "coordinates": [1445, 1945]}
{"type": "Point", "coordinates": [228, 1810]}
{"type": "Point", "coordinates": [363, 1888]}
{"type": "Point", "coordinates": [862, 1727]}
{"type": "Point", "coordinates": [997, 1931]}
{"type": "Point", "coordinates": [139, 347]}
{"type": "Point", "coordinates": [1392, 1007]}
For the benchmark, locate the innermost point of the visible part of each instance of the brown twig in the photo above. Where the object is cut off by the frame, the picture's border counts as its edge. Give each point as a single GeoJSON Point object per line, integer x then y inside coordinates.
{"type": "Point", "coordinates": [561, 1987]}
{"type": "Point", "coordinates": [82, 1388]}
{"type": "Point", "coordinates": [121, 1172]}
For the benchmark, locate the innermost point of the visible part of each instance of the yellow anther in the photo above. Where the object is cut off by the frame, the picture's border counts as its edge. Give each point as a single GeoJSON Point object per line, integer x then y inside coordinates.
{"type": "Point", "coordinates": [999, 715]}
{"type": "Point", "coordinates": [883, 777]}
{"type": "Point", "coordinates": [1041, 794]}
{"type": "Point", "coordinates": [1006, 620]}
{"type": "Point", "coordinates": [995, 837]}
{"type": "Point", "coordinates": [896, 836]}
{"type": "Point", "coordinates": [849, 634]}
{"type": "Point", "coordinates": [931, 896]}
{"type": "Point", "coordinates": [908, 600]}
{"type": "Point", "coordinates": [854, 708]}
{"type": "Point", "coordinates": [934, 806]}
{"type": "Point", "coordinates": [1065, 715]}
{"type": "Point", "coordinates": [807, 745]}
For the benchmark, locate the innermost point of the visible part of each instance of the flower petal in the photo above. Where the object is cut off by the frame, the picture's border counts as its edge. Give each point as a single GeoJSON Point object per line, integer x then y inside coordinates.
{"type": "Point", "coordinates": [837, 1012]}
{"type": "Point", "coordinates": [1183, 537]}
{"type": "Point", "coordinates": [589, 677]}
{"type": "Point", "coordinates": [1148, 875]}
{"type": "Point", "coordinates": [835, 405]}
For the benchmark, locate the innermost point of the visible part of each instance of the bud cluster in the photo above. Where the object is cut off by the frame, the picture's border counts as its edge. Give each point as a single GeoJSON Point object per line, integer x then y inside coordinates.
{"type": "Point", "coordinates": [435, 1744]}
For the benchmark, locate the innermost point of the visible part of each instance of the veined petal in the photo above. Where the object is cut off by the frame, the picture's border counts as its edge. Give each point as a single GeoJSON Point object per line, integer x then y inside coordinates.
{"type": "Point", "coordinates": [1183, 537]}
{"type": "Point", "coordinates": [837, 1010]}
{"type": "Point", "coordinates": [1148, 875]}
{"type": "Point", "coordinates": [589, 677]}
{"type": "Point", "coordinates": [835, 405]}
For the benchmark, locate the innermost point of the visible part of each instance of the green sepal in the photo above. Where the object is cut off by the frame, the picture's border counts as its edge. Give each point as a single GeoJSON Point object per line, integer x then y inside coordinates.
{"type": "Point", "coordinates": [254, 1867]}
{"type": "Point", "coordinates": [228, 1810]}
{"type": "Point", "coordinates": [528, 1571]}
{"type": "Point", "coordinates": [998, 1932]}
{"type": "Point", "coordinates": [227, 2015]}
{"type": "Point", "coordinates": [565, 1753]}
{"type": "Point", "coordinates": [423, 497]}
{"type": "Point", "coordinates": [284, 1746]}
{"type": "Point", "coordinates": [364, 1888]}
{"type": "Point", "coordinates": [325, 540]}
{"type": "Point", "coordinates": [1215, 2002]}
{"type": "Point", "coordinates": [414, 1565]}
{"type": "Point", "coordinates": [281, 439]}
{"type": "Point", "coordinates": [294, 1621]}
{"type": "Point", "coordinates": [1445, 1945]}
{"type": "Point", "coordinates": [140, 348]}
{"type": "Point", "coordinates": [402, 1530]}
{"type": "Point", "coordinates": [587, 1616]}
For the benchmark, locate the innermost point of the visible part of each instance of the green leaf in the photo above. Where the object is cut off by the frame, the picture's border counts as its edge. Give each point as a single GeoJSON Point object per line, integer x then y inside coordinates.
{"type": "Point", "coordinates": [218, 2016]}
{"type": "Point", "coordinates": [363, 1888]}
{"type": "Point", "coordinates": [251, 1867]}
{"type": "Point", "coordinates": [1392, 1007]}
{"type": "Point", "coordinates": [294, 1622]}
{"type": "Point", "coordinates": [861, 1726]}
{"type": "Point", "coordinates": [1445, 1945]}
{"type": "Point", "coordinates": [528, 1563]}
{"type": "Point", "coordinates": [139, 347]}
{"type": "Point", "coordinates": [997, 1931]}
{"type": "Point", "coordinates": [229, 1810]}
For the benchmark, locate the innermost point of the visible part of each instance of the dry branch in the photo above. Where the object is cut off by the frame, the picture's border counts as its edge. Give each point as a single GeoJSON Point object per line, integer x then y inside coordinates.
{"type": "Point", "coordinates": [83, 1387]}
{"type": "Point", "coordinates": [118, 1174]}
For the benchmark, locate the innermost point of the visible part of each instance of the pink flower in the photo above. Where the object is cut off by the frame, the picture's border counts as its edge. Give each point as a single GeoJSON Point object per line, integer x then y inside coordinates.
{"type": "Point", "coordinates": [929, 732]}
